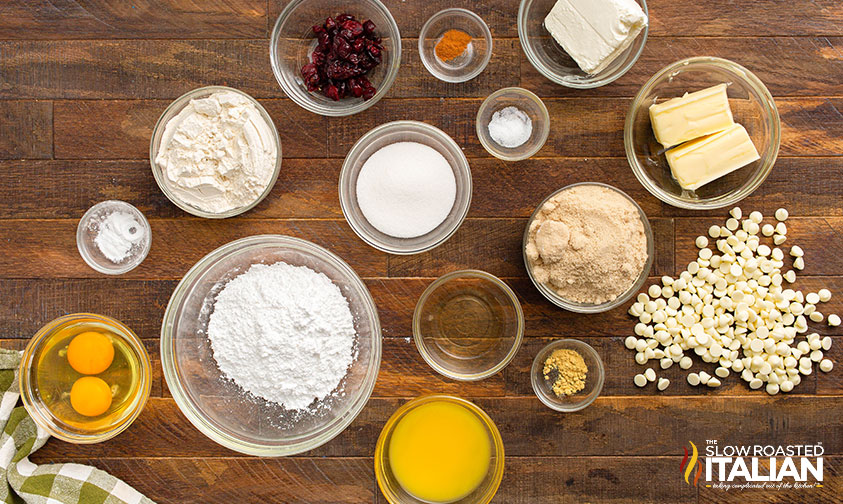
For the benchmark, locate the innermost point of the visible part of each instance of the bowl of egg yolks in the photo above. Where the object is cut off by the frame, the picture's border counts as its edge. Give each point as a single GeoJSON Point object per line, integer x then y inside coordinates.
{"type": "Point", "coordinates": [84, 378]}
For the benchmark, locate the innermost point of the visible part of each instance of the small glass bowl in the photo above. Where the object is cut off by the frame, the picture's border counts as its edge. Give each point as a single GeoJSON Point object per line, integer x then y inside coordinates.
{"type": "Point", "coordinates": [293, 40]}
{"type": "Point", "coordinates": [155, 145]}
{"type": "Point", "coordinates": [561, 302]}
{"type": "Point", "coordinates": [222, 410]}
{"type": "Point", "coordinates": [31, 395]}
{"type": "Point", "coordinates": [593, 381]}
{"type": "Point", "coordinates": [469, 64]}
{"type": "Point", "coordinates": [404, 131]}
{"type": "Point", "coordinates": [527, 102]}
{"type": "Point", "coordinates": [392, 490]}
{"type": "Point", "coordinates": [752, 106]}
{"type": "Point", "coordinates": [548, 57]}
{"type": "Point", "coordinates": [88, 229]}
{"type": "Point", "coordinates": [468, 325]}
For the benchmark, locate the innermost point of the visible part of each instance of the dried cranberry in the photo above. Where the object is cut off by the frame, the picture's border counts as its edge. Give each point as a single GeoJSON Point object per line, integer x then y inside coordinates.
{"type": "Point", "coordinates": [332, 92]}
{"type": "Point", "coordinates": [369, 92]}
{"type": "Point", "coordinates": [344, 17]}
{"type": "Point", "coordinates": [330, 24]}
{"type": "Point", "coordinates": [317, 29]}
{"type": "Point", "coordinates": [369, 27]}
{"type": "Point", "coordinates": [359, 45]}
{"type": "Point", "coordinates": [354, 27]}
{"type": "Point", "coordinates": [355, 88]}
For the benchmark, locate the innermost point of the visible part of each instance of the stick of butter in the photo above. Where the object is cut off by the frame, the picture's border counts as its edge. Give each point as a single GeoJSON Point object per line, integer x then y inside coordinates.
{"type": "Point", "coordinates": [698, 162]}
{"type": "Point", "coordinates": [595, 32]}
{"type": "Point", "coordinates": [694, 115]}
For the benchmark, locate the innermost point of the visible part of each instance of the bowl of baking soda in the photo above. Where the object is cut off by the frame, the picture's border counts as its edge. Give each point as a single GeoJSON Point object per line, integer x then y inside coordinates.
{"type": "Point", "coordinates": [405, 187]}
{"type": "Point", "coordinates": [271, 345]}
{"type": "Point", "coordinates": [588, 247]}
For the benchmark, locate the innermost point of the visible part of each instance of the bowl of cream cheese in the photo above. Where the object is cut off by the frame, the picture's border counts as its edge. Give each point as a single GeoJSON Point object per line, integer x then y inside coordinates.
{"type": "Point", "coordinates": [215, 152]}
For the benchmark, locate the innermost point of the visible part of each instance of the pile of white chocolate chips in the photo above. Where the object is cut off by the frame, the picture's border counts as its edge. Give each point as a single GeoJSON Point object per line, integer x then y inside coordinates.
{"type": "Point", "coordinates": [734, 309]}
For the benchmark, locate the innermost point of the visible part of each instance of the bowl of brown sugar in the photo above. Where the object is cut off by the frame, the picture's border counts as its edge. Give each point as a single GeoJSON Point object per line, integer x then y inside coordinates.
{"type": "Point", "coordinates": [588, 247]}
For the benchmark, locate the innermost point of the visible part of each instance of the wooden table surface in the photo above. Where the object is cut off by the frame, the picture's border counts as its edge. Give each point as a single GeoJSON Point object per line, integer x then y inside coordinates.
{"type": "Point", "coordinates": [82, 83]}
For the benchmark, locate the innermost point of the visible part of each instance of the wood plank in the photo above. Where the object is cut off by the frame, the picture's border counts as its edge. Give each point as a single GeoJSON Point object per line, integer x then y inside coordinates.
{"type": "Point", "coordinates": [611, 426]}
{"type": "Point", "coordinates": [43, 19]}
{"type": "Point", "coordinates": [192, 238]}
{"type": "Point", "coordinates": [122, 129]}
{"type": "Point", "coordinates": [499, 253]}
{"type": "Point", "coordinates": [749, 17]}
{"type": "Point", "coordinates": [165, 69]}
{"type": "Point", "coordinates": [307, 188]}
{"type": "Point", "coordinates": [819, 241]}
{"type": "Point", "coordinates": [770, 58]}
{"type": "Point", "coordinates": [667, 18]}
{"type": "Point", "coordinates": [26, 129]}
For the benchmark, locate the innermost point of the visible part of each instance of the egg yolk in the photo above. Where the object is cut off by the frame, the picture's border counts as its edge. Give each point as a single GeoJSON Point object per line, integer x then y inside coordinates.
{"type": "Point", "coordinates": [90, 396]}
{"type": "Point", "coordinates": [90, 353]}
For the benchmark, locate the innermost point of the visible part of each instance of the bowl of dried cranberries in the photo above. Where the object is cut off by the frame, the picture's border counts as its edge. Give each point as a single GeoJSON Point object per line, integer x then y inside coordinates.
{"type": "Point", "coordinates": [335, 60]}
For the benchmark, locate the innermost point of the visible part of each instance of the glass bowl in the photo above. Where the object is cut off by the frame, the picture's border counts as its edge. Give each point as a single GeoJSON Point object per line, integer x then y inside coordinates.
{"type": "Point", "coordinates": [404, 131]}
{"type": "Point", "coordinates": [593, 381]}
{"type": "Point", "coordinates": [158, 133]}
{"type": "Point", "coordinates": [471, 62]}
{"type": "Point", "coordinates": [548, 57]}
{"type": "Point", "coordinates": [222, 410]}
{"type": "Point", "coordinates": [389, 485]}
{"type": "Point", "coordinates": [561, 302]}
{"type": "Point", "coordinates": [88, 229]}
{"type": "Point", "coordinates": [528, 103]}
{"type": "Point", "coordinates": [41, 413]}
{"type": "Point", "coordinates": [293, 40]}
{"type": "Point", "coordinates": [468, 325]}
{"type": "Point", "coordinates": [752, 106]}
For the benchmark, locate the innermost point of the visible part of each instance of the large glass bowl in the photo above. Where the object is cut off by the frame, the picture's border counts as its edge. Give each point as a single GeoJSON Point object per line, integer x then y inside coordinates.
{"type": "Point", "coordinates": [752, 106]}
{"type": "Point", "coordinates": [41, 413]}
{"type": "Point", "coordinates": [221, 409]}
{"type": "Point", "coordinates": [388, 483]}
{"type": "Point", "coordinates": [404, 131]}
{"type": "Point", "coordinates": [293, 40]}
{"type": "Point", "coordinates": [158, 134]}
{"type": "Point", "coordinates": [573, 306]}
{"type": "Point", "coordinates": [548, 57]}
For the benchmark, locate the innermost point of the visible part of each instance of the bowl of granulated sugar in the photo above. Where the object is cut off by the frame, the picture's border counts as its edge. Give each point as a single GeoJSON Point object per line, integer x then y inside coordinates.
{"type": "Point", "coordinates": [588, 247]}
{"type": "Point", "coordinates": [405, 187]}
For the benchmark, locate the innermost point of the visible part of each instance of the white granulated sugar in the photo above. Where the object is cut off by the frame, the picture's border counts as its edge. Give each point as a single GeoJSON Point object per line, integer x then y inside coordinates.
{"type": "Point", "coordinates": [406, 189]}
{"type": "Point", "coordinates": [118, 232]}
{"type": "Point", "coordinates": [284, 333]}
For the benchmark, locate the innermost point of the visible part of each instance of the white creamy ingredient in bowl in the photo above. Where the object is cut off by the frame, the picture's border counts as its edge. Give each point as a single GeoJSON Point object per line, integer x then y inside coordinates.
{"type": "Point", "coordinates": [118, 232]}
{"type": "Point", "coordinates": [218, 153]}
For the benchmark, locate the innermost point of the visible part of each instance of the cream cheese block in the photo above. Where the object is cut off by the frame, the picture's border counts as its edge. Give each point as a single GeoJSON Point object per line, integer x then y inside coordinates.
{"type": "Point", "coordinates": [691, 116]}
{"type": "Point", "coordinates": [595, 32]}
{"type": "Point", "coordinates": [698, 162]}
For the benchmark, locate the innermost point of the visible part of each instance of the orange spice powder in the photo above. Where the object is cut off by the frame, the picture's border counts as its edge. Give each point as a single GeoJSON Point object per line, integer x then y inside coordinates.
{"type": "Point", "coordinates": [452, 44]}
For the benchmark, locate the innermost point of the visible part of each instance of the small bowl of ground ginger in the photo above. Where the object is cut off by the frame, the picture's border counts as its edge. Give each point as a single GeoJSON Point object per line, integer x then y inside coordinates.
{"type": "Point", "coordinates": [567, 375]}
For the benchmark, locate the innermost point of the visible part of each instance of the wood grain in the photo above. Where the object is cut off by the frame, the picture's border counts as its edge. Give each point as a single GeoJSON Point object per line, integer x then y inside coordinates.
{"type": "Point", "coordinates": [192, 238]}
{"type": "Point", "coordinates": [26, 130]}
{"type": "Point", "coordinates": [43, 19]}
{"type": "Point", "coordinates": [661, 425]}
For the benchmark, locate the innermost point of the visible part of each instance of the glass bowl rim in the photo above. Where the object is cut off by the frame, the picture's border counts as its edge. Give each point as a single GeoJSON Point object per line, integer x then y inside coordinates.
{"type": "Point", "coordinates": [582, 307]}
{"type": "Point", "coordinates": [158, 132]}
{"type": "Point", "coordinates": [538, 65]}
{"type": "Point", "coordinates": [128, 266]}
{"type": "Point", "coordinates": [772, 119]}
{"type": "Point", "coordinates": [532, 97]}
{"type": "Point", "coordinates": [25, 377]}
{"type": "Point", "coordinates": [195, 415]}
{"type": "Point", "coordinates": [487, 35]}
{"type": "Point", "coordinates": [491, 427]}
{"type": "Point", "coordinates": [372, 135]}
{"type": "Point", "coordinates": [312, 106]}
{"type": "Point", "coordinates": [579, 345]}
{"type": "Point", "coordinates": [518, 338]}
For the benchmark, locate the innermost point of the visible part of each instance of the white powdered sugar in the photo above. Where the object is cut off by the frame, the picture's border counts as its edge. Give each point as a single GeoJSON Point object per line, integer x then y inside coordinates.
{"type": "Point", "coordinates": [284, 333]}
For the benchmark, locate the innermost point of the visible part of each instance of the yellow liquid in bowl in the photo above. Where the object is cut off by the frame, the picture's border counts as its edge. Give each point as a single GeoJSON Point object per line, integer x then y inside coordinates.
{"type": "Point", "coordinates": [440, 452]}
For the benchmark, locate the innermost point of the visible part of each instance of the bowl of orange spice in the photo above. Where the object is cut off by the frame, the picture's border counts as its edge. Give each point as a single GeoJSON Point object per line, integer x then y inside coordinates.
{"type": "Point", "coordinates": [455, 45]}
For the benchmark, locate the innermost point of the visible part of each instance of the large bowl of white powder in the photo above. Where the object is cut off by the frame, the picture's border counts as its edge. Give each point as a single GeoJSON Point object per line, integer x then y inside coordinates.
{"type": "Point", "coordinates": [271, 345]}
